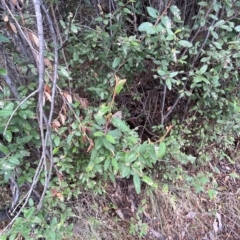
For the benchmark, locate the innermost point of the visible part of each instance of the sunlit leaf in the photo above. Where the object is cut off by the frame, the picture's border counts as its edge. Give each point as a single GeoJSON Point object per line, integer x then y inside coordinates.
{"type": "Point", "coordinates": [119, 86]}
{"type": "Point", "coordinates": [185, 43]}
{"type": "Point", "coordinates": [110, 139]}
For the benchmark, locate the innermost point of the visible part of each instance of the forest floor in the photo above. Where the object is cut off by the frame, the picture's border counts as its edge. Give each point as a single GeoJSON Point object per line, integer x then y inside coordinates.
{"type": "Point", "coordinates": [170, 212]}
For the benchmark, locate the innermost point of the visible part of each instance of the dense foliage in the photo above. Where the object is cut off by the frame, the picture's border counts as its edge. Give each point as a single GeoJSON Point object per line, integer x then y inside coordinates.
{"type": "Point", "coordinates": [137, 91]}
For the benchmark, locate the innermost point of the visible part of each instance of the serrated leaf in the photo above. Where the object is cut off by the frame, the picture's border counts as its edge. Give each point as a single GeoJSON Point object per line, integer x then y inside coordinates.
{"type": "Point", "coordinates": [120, 124]}
{"type": "Point", "coordinates": [110, 139]}
{"type": "Point", "coordinates": [116, 62]}
{"type": "Point", "coordinates": [130, 157]}
{"type": "Point", "coordinates": [125, 171]}
{"type": "Point", "coordinates": [152, 12]}
{"type": "Point", "coordinates": [137, 183]}
{"type": "Point", "coordinates": [3, 72]}
{"type": "Point", "coordinates": [108, 145]}
{"type": "Point", "coordinates": [185, 43]}
{"type": "Point", "coordinates": [149, 181]}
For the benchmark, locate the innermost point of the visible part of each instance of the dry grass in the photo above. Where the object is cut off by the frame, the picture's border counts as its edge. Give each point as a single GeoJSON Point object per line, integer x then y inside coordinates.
{"type": "Point", "coordinates": [172, 213]}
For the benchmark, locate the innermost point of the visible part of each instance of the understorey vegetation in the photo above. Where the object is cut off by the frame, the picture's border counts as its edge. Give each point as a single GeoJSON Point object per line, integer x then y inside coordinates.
{"type": "Point", "coordinates": [120, 119]}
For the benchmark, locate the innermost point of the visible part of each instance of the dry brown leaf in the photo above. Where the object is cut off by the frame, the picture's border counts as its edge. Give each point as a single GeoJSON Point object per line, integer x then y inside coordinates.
{"type": "Point", "coordinates": [120, 214]}
{"type": "Point", "coordinates": [67, 96]}
{"type": "Point", "coordinates": [5, 19]}
{"type": "Point", "coordinates": [48, 96]}
{"type": "Point", "coordinates": [34, 38]}
{"type": "Point", "coordinates": [62, 118]}
{"type": "Point", "coordinates": [84, 102]}
{"type": "Point", "coordinates": [60, 196]}
{"type": "Point", "coordinates": [117, 114]}
{"type": "Point", "coordinates": [47, 89]}
{"type": "Point", "coordinates": [91, 145]}
{"type": "Point", "coordinates": [11, 28]}
{"type": "Point", "coordinates": [54, 192]}
{"type": "Point", "coordinates": [48, 63]}
{"type": "Point", "coordinates": [191, 215]}
{"type": "Point", "coordinates": [56, 124]}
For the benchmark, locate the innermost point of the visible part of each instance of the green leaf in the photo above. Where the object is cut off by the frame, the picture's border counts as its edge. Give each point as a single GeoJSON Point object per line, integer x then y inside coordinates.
{"type": "Point", "coordinates": [165, 20]}
{"type": "Point", "coordinates": [110, 139]}
{"type": "Point", "coordinates": [149, 181]}
{"type": "Point", "coordinates": [152, 12]}
{"type": "Point", "coordinates": [116, 62]}
{"type": "Point", "coordinates": [64, 72]}
{"type": "Point", "coordinates": [5, 113]}
{"type": "Point", "coordinates": [119, 86]}
{"type": "Point", "coordinates": [147, 27]}
{"type": "Point", "coordinates": [137, 183]}
{"type": "Point", "coordinates": [169, 83]}
{"type": "Point", "coordinates": [13, 160]}
{"type": "Point", "coordinates": [4, 149]}
{"type": "Point", "coordinates": [3, 39]}
{"type": "Point", "coordinates": [120, 125]}
{"type": "Point", "coordinates": [26, 114]}
{"type": "Point", "coordinates": [203, 4]}
{"type": "Point", "coordinates": [175, 11]}
{"type": "Point", "coordinates": [29, 212]}
{"type": "Point", "coordinates": [108, 145]}
{"type": "Point", "coordinates": [203, 69]}
{"type": "Point", "coordinates": [130, 157]}
{"type": "Point", "coordinates": [115, 165]}
{"type": "Point", "coordinates": [57, 141]}
{"type": "Point", "coordinates": [8, 136]}
{"type": "Point", "coordinates": [185, 43]}
{"type": "Point", "coordinates": [125, 171]}
{"type": "Point", "coordinates": [106, 164]}
{"type": "Point", "coordinates": [219, 23]}
{"type": "Point", "coordinates": [237, 28]}
{"type": "Point", "coordinates": [98, 134]}
{"type": "Point", "coordinates": [3, 72]}
{"type": "Point", "coordinates": [126, 10]}
{"type": "Point", "coordinates": [234, 175]}
{"type": "Point", "coordinates": [75, 56]}
{"type": "Point", "coordinates": [173, 74]}
{"type": "Point", "coordinates": [161, 150]}
{"type": "Point", "coordinates": [24, 140]}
